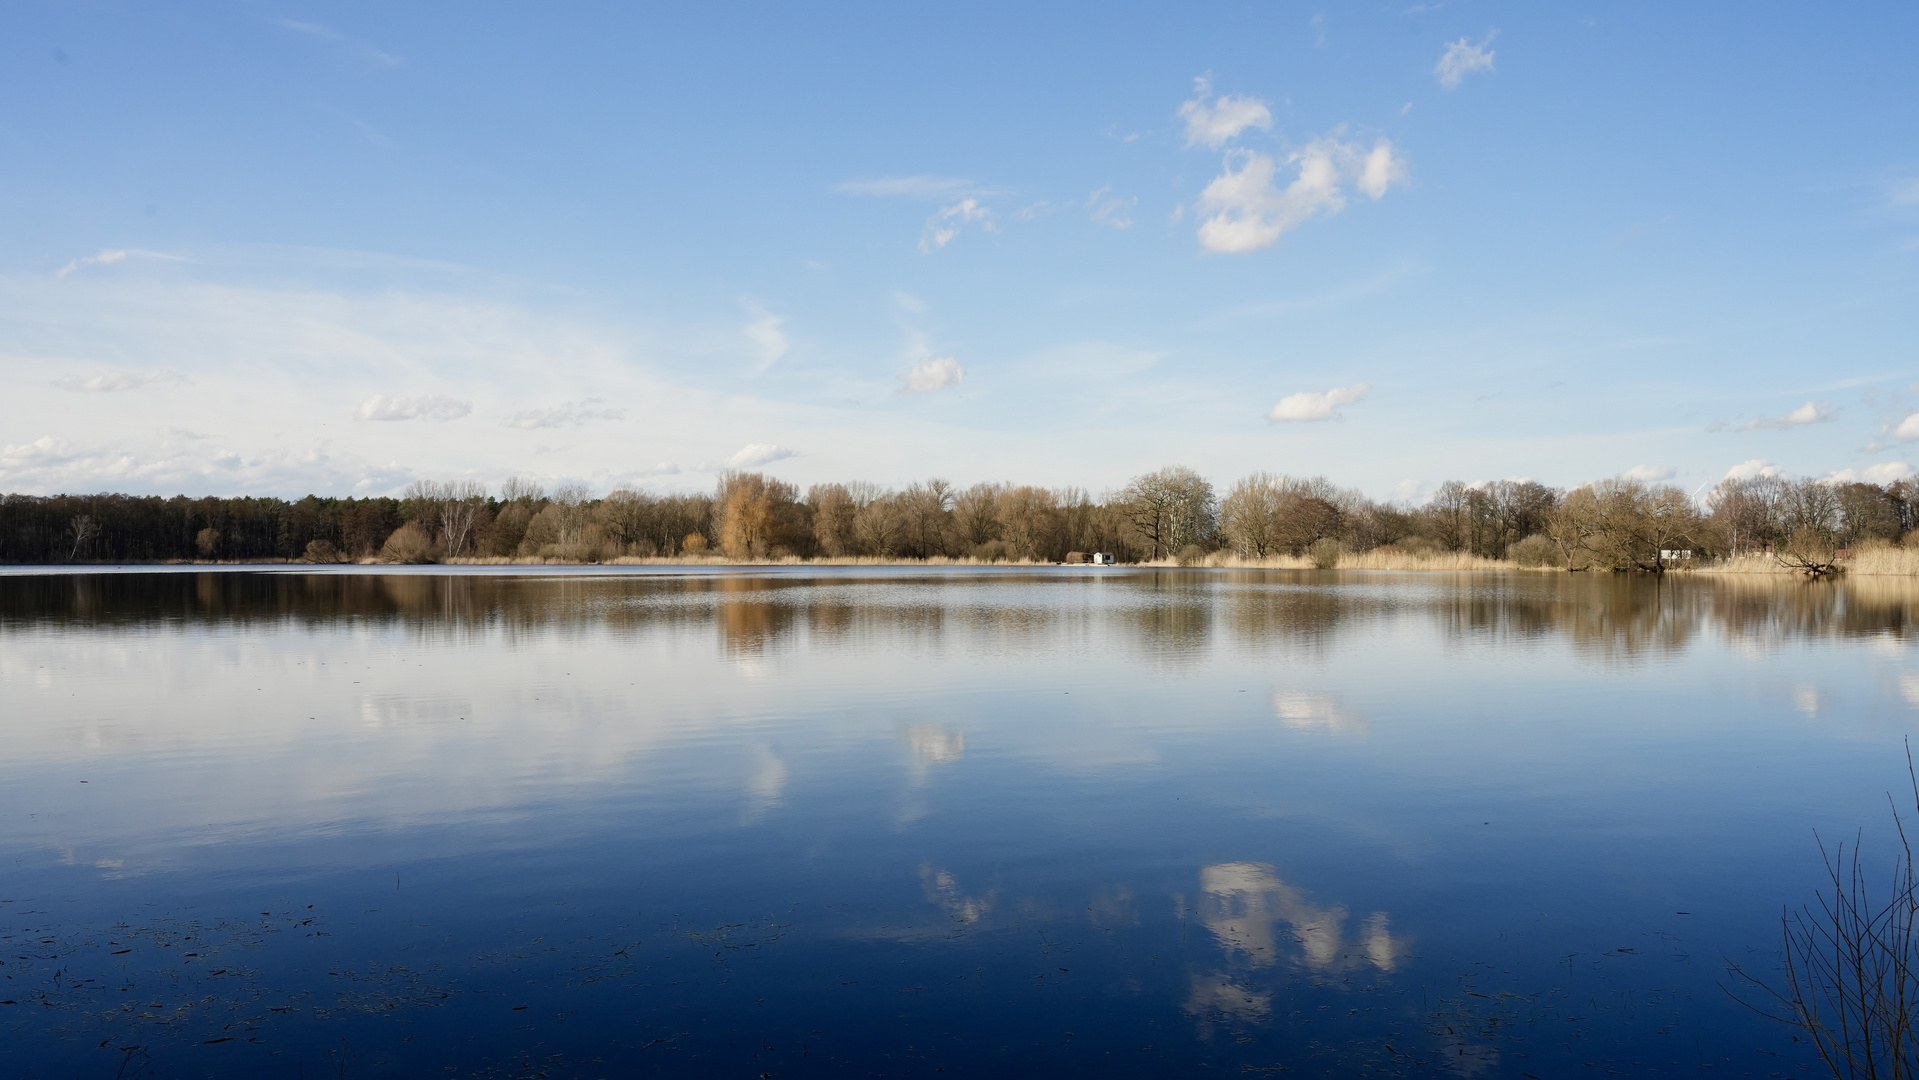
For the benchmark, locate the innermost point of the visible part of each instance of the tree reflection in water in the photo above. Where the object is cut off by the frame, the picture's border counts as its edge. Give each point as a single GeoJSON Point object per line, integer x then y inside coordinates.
{"type": "Point", "coordinates": [1169, 617]}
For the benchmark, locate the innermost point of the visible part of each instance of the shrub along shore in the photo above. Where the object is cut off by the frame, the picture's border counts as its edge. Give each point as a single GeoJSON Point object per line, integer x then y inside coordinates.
{"type": "Point", "coordinates": [1169, 517]}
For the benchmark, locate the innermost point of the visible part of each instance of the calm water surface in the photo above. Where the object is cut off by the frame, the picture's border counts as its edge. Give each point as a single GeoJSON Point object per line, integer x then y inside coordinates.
{"type": "Point", "coordinates": [896, 822]}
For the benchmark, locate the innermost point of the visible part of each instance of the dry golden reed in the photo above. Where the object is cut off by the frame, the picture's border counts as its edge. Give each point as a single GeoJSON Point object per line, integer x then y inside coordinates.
{"type": "Point", "coordinates": [1878, 560]}
{"type": "Point", "coordinates": [1377, 559]}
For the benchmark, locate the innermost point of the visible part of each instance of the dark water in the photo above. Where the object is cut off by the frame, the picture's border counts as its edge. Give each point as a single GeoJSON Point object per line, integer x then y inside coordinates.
{"type": "Point", "coordinates": [885, 822]}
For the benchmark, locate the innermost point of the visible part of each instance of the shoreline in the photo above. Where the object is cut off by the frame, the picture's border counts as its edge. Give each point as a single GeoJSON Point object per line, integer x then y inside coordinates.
{"type": "Point", "coordinates": [1891, 562]}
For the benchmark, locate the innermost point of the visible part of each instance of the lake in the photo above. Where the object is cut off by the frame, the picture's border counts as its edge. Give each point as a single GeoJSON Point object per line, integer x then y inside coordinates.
{"type": "Point", "coordinates": [801, 821]}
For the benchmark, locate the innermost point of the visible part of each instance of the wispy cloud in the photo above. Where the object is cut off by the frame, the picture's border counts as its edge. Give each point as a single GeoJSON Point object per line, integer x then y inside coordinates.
{"type": "Point", "coordinates": [759, 453]}
{"type": "Point", "coordinates": [766, 332]}
{"type": "Point", "coordinates": [110, 257]}
{"type": "Point", "coordinates": [1307, 406]}
{"type": "Point", "coordinates": [930, 374]}
{"type": "Point", "coordinates": [916, 187]}
{"type": "Point", "coordinates": [1249, 211]}
{"type": "Point", "coordinates": [1336, 296]}
{"type": "Point", "coordinates": [942, 227]}
{"type": "Point", "coordinates": [1213, 122]}
{"type": "Point", "coordinates": [104, 258]}
{"type": "Point", "coordinates": [313, 29]}
{"type": "Point", "coordinates": [438, 407]}
{"type": "Point", "coordinates": [1110, 210]}
{"type": "Point", "coordinates": [1462, 58]}
{"type": "Point", "coordinates": [1754, 469]}
{"type": "Point", "coordinates": [108, 382]}
{"type": "Point", "coordinates": [367, 131]}
{"type": "Point", "coordinates": [565, 414]}
{"type": "Point", "coordinates": [379, 57]}
{"type": "Point", "coordinates": [1809, 413]}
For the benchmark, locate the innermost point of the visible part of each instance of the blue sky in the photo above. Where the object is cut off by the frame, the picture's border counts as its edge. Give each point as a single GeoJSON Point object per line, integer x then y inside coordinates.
{"type": "Point", "coordinates": [271, 249]}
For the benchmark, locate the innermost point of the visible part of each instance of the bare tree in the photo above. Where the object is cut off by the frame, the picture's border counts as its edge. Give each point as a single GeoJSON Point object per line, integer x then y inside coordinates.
{"type": "Point", "coordinates": [1621, 524]}
{"type": "Point", "coordinates": [461, 501]}
{"type": "Point", "coordinates": [833, 512]}
{"type": "Point", "coordinates": [1449, 514]}
{"type": "Point", "coordinates": [1080, 521]}
{"type": "Point", "coordinates": [925, 518]}
{"type": "Point", "coordinates": [1267, 515]}
{"type": "Point", "coordinates": [757, 516]}
{"type": "Point", "coordinates": [1749, 513]}
{"type": "Point", "coordinates": [1030, 522]}
{"type": "Point", "coordinates": [1867, 512]}
{"type": "Point", "coordinates": [976, 515]}
{"type": "Point", "coordinates": [1851, 970]}
{"type": "Point", "coordinates": [1249, 515]}
{"type": "Point", "coordinates": [83, 530]}
{"type": "Point", "coordinates": [570, 506]}
{"type": "Point", "coordinates": [876, 520]}
{"type": "Point", "coordinates": [1170, 508]}
{"type": "Point", "coordinates": [518, 489]}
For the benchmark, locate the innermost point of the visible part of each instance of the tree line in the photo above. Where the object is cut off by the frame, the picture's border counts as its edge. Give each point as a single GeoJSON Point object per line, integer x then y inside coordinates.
{"type": "Point", "coordinates": [1172, 513]}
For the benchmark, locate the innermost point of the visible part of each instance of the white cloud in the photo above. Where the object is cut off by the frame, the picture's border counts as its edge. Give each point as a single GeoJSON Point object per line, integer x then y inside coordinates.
{"type": "Point", "coordinates": [1307, 406]}
{"type": "Point", "coordinates": [429, 407]}
{"type": "Point", "coordinates": [1754, 468]}
{"type": "Point", "coordinates": [1460, 59]}
{"type": "Point", "coordinates": [933, 373]}
{"type": "Point", "coordinates": [764, 330]}
{"type": "Point", "coordinates": [1809, 413]}
{"type": "Point", "coordinates": [1110, 210]}
{"type": "Point", "coordinates": [1216, 123]}
{"type": "Point", "coordinates": [759, 453]}
{"type": "Point", "coordinates": [565, 414]}
{"type": "Point", "coordinates": [108, 382]}
{"type": "Point", "coordinates": [1908, 428]}
{"type": "Point", "coordinates": [915, 187]}
{"type": "Point", "coordinates": [945, 225]}
{"type": "Point", "coordinates": [48, 465]}
{"type": "Point", "coordinates": [44, 450]}
{"type": "Point", "coordinates": [1885, 472]}
{"type": "Point", "coordinates": [1650, 474]}
{"type": "Point", "coordinates": [1248, 212]}
{"type": "Point", "coordinates": [260, 356]}
{"type": "Point", "coordinates": [908, 302]}
{"type": "Point", "coordinates": [1382, 170]}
